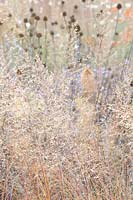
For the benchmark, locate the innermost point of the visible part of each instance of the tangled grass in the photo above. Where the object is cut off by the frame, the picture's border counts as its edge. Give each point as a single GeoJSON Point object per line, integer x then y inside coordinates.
{"type": "Point", "coordinates": [66, 128]}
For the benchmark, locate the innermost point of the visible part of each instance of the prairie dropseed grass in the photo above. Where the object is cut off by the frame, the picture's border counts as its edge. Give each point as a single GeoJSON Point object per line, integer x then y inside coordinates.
{"type": "Point", "coordinates": [66, 100]}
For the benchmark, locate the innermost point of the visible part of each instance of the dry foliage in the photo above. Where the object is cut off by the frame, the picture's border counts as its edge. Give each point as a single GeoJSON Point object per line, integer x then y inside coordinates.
{"type": "Point", "coordinates": [65, 128]}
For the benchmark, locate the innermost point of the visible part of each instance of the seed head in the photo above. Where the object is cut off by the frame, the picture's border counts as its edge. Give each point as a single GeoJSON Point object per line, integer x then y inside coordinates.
{"type": "Point", "coordinates": [131, 84]}
{"type": "Point", "coordinates": [64, 14]}
{"type": "Point", "coordinates": [39, 35]}
{"type": "Point", "coordinates": [10, 15]}
{"type": "Point", "coordinates": [81, 34]}
{"type": "Point", "coordinates": [19, 72]}
{"type": "Point", "coordinates": [62, 2]}
{"type": "Point", "coordinates": [45, 19]}
{"type": "Point", "coordinates": [44, 64]}
{"type": "Point", "coordinates": [72, 18]}
{"type": "Point", "coordinates": [75, 7]}
{"type": "Point", "coordinates": [52, 33]}
{"type": "Point", "coordinates": [25, 20]}
{"type": "Point", "coordinates": [31, 10]}
{"type": "Point", "coordinates": [119, 6]}
{"type": "Point", "coordinates": [99, 35]}
{"type": "Point", "coordinates": [37, 18]}
{"type": "Point", "coordinates": [55, 23]}
{"type": "Point", "coordinates": [21, 35]}
{"type": "Point", "coordinates": [77, 28]}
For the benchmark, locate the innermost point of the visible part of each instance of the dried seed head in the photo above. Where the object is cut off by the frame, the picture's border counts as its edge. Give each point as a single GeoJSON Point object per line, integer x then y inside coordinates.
{"type": "Point", "coordinates": [81, 34]}
{"type": "Point", "coordinates": [1, 23]}
{"type": "Point", "coordinates": [119, 6]}
{"type": "Point", "coordinates": [52, 33]}
{"type": "Point", "coordinates": [19, 72]}
{"type": "Point", "coordinates": [21, 35]}
{"type": "Point", "coordinates": [64, 14]}
{"type": "Point", "coordinates": [131, 84]}
{"type": "Point", "coordinates": [62, 2]}
{"type": "Point", "coordinates": [37, 18]}
{"type": "Point", "coordinates": [72, 18]}
{"type": "Point", "coordinates": [77, 28]}
{"type": "Point", "coordinates": [45, 19]}
{"type": "Point", "coordinates": [31, 10]}
{"type": "Point", "coordinates": [75, 7]}
{"type": "Point", "coordinates": [55, 23]}
{"type": "Point", "coordinates": [25, 20]}
{"type": "Point", "coordinates": [39, 35]}
{"type": "Point", "coordinates": [73, 108]}
{"type": "Point", "coordinates": [99, 35]}
{"type": "Point", "coordinates": [10, 15]}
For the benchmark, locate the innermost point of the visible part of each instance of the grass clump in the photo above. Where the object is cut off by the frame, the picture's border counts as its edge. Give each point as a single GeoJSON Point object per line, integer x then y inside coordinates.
{"type": "Point", "coordinates": [66, 101]}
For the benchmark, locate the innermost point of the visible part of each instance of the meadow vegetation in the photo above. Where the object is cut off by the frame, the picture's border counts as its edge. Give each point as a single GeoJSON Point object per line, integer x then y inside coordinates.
{"type": "Point", "coordinates": [66, 100]}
